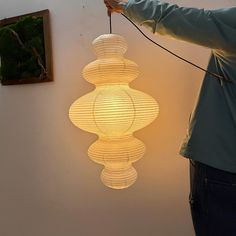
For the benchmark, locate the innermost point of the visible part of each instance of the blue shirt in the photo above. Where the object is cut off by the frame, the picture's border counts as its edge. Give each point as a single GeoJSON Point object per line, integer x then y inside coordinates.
{"type": "Point", "coordinates": [211, 136]}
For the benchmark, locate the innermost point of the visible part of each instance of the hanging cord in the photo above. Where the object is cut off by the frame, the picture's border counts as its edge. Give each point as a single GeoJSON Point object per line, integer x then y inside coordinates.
{"type": "Point", "coordinates": [209, 72]}
{"type": "Point", "coordinates": [110, 22]}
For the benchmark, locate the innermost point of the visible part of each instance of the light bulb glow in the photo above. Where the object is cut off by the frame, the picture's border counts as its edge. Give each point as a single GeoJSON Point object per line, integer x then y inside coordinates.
{"type": "Point", "coordinates": [114, 111]}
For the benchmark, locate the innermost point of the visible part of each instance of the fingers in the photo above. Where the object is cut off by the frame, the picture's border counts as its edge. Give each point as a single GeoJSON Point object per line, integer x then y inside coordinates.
{"type": "Point", "coordinates": [109, 7]}
{"type": "Point", "coordinates": [112, 6]}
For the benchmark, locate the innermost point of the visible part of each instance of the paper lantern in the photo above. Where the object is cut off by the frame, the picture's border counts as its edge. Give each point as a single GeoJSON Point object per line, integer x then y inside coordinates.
{"type": "Point", "coordinates": [114, 111]}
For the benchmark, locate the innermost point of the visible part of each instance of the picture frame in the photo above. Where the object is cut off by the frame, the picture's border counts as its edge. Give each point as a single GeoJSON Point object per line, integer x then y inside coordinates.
{"type": "Point", "coordinates": [25, 49]}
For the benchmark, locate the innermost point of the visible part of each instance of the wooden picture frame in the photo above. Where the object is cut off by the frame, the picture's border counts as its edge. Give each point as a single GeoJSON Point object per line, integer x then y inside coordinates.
{"type": "Point", "coordinates": [35, 51]}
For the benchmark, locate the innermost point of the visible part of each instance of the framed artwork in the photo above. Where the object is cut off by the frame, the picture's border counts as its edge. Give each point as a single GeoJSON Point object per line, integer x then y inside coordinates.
{"type": "Point", "coordinates": [25, 49]}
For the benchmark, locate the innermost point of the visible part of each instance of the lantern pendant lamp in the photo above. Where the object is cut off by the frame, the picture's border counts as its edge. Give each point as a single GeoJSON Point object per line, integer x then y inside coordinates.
{"type": "Point", "coordinates": [114, 111]}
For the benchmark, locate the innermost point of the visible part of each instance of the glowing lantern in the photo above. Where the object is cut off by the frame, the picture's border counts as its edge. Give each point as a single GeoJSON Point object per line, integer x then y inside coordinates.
{"type": "Point", "coordinates": [114, 111]}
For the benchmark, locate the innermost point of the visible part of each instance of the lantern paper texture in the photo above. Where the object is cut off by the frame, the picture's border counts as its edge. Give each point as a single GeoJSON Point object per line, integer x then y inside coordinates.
{"type": "Point", "coordinates": [114, 111]}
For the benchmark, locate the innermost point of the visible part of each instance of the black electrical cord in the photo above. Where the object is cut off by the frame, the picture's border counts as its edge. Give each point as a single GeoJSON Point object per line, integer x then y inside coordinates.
{"type": "Point", "coordinates": [110, 22]}
{"type": "Point", "coordinates": [209, 72]}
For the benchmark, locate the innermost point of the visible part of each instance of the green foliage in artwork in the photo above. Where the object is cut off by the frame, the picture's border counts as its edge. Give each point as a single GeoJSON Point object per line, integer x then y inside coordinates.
{"type": "Point", "coordinates": [22, 49]}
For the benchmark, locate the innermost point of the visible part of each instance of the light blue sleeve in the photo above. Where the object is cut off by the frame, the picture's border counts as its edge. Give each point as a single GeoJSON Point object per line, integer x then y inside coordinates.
{"type": "Point", "coordinates": [215, 29]}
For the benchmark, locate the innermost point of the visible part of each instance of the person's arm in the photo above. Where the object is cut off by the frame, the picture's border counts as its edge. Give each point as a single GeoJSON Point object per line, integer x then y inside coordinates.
{"type": "Point", "coordinates": [209, 28]}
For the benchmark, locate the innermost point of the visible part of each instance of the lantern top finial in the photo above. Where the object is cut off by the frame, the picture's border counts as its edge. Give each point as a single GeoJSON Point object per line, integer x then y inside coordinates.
{"type": "Point", "coordinates": [110, 45]}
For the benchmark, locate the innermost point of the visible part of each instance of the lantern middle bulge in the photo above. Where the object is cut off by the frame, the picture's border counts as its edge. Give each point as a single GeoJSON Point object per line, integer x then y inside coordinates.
{"type": "Point", "coordinates": [114, 111]}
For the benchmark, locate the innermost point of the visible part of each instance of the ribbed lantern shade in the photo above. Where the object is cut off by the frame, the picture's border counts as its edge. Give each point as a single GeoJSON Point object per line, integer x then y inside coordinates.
{"type": "Point", "coordinates": [114, 111]}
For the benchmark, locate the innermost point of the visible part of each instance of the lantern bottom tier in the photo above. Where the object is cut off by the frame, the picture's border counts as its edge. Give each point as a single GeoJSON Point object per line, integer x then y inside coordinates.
{"type": "Point", "coordinates": [119, 178]}
{"type": "Point", "coordinates": [117, 155]}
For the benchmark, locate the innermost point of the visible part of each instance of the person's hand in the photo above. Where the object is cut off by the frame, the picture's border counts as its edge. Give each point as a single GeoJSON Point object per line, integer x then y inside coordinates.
{"type": "Point", "coordinates": [115, 5]}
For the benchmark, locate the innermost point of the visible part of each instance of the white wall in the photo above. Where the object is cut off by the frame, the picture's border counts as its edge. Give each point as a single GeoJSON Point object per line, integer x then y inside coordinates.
{"type": "Point", "coordinates": [48, 185]}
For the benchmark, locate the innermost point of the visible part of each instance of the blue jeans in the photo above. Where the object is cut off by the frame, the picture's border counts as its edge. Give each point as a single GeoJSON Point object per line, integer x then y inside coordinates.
{"type": "Point", "coordinates": [212, 200]}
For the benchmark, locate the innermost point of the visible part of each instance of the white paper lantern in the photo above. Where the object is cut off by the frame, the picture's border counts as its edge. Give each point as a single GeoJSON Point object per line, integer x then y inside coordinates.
{"type": "Point", "coordinates": [114, 111]}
